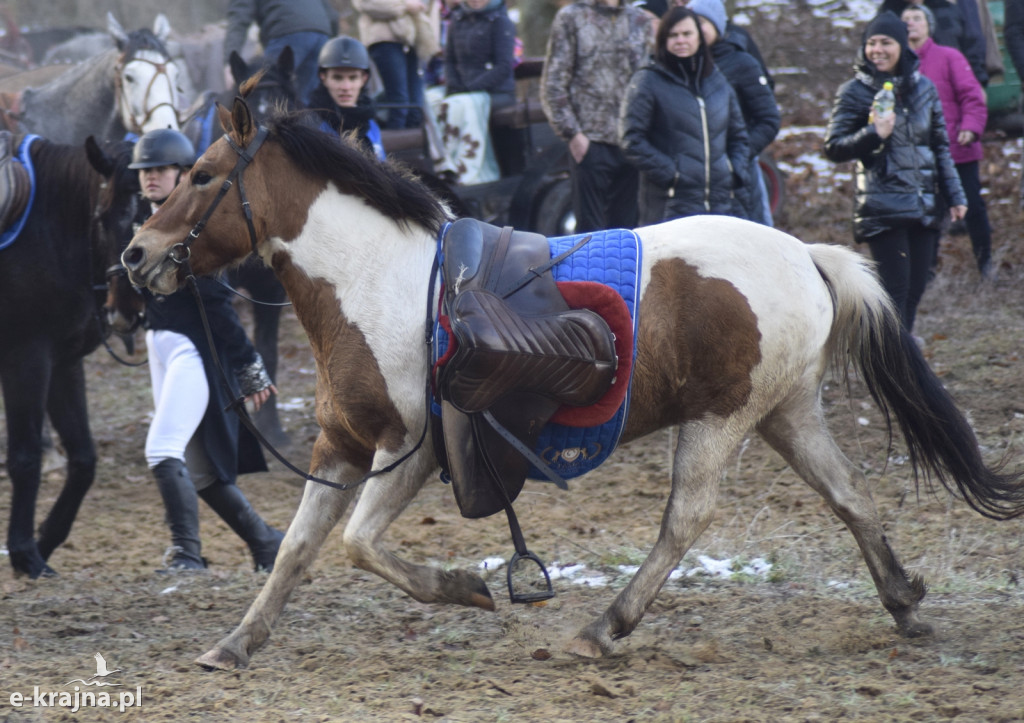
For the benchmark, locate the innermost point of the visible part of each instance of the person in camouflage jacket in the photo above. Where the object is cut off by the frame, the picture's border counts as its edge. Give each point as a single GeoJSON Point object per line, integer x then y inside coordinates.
{"type": "Point", "coordinates": [594, 48]}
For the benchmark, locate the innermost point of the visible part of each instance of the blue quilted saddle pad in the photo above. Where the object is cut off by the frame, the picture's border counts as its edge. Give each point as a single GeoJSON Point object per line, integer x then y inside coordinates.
{"type": "Point", "coordinates": [613, 258]}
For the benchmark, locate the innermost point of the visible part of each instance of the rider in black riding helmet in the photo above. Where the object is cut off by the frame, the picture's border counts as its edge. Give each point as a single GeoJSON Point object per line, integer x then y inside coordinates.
{"type": "Point", "coordinates": [340, 100]}
{"type": "Point", "coordinates": [193, 445]}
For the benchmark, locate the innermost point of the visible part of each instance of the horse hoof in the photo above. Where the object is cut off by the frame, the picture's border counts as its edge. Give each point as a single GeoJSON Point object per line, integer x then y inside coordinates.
{"type": "Point", "coordinates": [484, 601]}
{"type": "Point", "coordinates": [916, 629]}
{"type": "Point", "coordinates": [31, 565]}
{"type": "Point", "coordinates": [218, 659]}
{"type": "Point", "coordinates": [462, 587]}
{"type": "Point", "coordinates": [584, 648]}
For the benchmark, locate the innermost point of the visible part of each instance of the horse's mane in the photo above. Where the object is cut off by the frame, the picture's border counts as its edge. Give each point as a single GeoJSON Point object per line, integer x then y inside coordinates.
{"type": "Point", "coordinates": [387, 187]}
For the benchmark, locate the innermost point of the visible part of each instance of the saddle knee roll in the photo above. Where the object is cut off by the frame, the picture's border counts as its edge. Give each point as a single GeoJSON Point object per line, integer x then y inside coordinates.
{"type": "Point", "coordinates": [566, 356]}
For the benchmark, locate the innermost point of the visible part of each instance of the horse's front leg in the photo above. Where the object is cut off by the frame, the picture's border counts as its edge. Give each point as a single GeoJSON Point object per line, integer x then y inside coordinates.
{"type": "Point", "coordinates": [700, 458]}
{"type": "Point", "coordinates": [379, 505]}
{"type": "Point", "coordinates": [319, 511]}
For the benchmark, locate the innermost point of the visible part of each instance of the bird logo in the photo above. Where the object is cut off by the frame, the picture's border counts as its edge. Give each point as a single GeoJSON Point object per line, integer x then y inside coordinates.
{"type": "Point", "coordinates": [101, 672]}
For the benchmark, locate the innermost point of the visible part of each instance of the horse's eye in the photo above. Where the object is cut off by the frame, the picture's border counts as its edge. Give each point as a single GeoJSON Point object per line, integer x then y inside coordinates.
{"type": "Point", "coordinates": [128, 78]}
{"type": "Point", "coordinates": [201, 178]}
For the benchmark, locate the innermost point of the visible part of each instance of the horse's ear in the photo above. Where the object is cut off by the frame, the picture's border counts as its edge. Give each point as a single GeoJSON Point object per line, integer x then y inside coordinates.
{"type": "Point", "coordinates": [116, 31]}
{"type": "Point", "coordinates": [162, 27]}
{"type": "Point", "coordinates": [98, 159]}
{"type": "Point", "coordinates": [224, 116]}
{"type": "Point", "coordinates": [242, 122]}
{"type": "Point", "coordinates": [239, 68]}
{"type": "Point", "coordinates": [286, 61]}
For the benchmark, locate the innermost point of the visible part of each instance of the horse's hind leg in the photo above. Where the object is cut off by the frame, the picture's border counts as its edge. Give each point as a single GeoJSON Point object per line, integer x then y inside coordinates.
{"type": "Point", "coordinates": [700, 457]}
{"type": "Point", "coordinates": [797, 430]}
{"type": "Point", "coordinates": [69, 415]}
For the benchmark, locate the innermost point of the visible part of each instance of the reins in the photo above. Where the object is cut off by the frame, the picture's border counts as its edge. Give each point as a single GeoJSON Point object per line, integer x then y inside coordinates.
{"type": "Point", "coordinates": [180, 253]}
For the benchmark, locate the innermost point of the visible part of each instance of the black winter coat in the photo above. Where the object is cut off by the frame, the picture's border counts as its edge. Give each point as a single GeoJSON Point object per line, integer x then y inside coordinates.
{"type": "Point", "coordinates": [232, 449]}
{"type": "Point", "coordinates": [906, 179]}
{"type": "Point", "coordinates": [688, 139]}
{"type": "Point", "coordinates": [757, 103]}
{"type": "Point", "coordinates": [480, 51]}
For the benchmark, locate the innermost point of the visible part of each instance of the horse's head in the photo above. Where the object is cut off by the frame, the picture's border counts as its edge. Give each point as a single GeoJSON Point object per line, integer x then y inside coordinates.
{"type": "Point", "coordinates": [267, 86]}
{"type": "Point", "coordinates": [255, 190]}
{"type": "Point", "coordinates": [203, 221]}
{"type": "Point", "coordinates": [113, 214]}
{"type": "Point", "coordinates": [146, 77]}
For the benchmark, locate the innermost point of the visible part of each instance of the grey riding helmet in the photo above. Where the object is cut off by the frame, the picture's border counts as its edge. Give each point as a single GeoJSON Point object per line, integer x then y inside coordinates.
{"type": "Point", "coordinates": [163, 147]}
{"type": "Point", "coordinates": [344, 52]}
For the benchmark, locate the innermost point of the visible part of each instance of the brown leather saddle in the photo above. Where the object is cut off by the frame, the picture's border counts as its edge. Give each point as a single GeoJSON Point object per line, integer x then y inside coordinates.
{"type": "Point", "coordinates": [517, 354]}
{"type": "Point", "coordinates": [15, 184]}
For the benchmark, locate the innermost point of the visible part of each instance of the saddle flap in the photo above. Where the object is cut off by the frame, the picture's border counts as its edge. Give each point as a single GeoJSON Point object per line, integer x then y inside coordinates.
{"type": "Point", "coordinates": [478, 462]}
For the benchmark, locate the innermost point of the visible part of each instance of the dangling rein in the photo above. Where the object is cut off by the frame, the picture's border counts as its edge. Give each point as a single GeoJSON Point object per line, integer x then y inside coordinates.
{"type": "Point", "coordinates": [180, 253]}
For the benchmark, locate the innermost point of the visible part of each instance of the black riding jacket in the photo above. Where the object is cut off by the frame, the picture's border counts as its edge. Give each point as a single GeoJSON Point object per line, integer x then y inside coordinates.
{"type": "Point", "coordinates": [907, 178]}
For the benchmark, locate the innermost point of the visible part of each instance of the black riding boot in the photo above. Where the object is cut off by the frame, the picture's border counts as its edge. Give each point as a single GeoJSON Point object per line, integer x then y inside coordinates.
{"type": "Point", "coordinates": [230, 503]}
{"type": "Point", "coordinates": [182, 514]}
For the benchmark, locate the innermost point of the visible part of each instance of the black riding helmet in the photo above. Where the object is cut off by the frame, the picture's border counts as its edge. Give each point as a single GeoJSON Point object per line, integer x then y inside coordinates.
{"type": "Point", "coordinates": [163, 147]}
{"type": "Point", "coordinates": [344, 52]}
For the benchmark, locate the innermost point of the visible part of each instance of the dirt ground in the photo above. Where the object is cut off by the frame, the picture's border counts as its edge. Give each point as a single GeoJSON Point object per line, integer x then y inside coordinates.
{"type": "Point", "coordinates": [803, 640]}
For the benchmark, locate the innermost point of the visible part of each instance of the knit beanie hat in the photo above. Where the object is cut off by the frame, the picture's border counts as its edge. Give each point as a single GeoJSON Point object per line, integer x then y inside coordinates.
{"type": "Point", "coordinates": [713, 10]}
{"type": "Point", "coordinates": [887, 23]}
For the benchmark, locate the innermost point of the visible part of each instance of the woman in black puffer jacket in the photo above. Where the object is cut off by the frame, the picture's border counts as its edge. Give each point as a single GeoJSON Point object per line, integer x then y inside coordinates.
{"type": "Point", "coordinates": [682, 127]}
{"type": "Point", "coordinates": [906, 179]}
{"type": "Point", "coordinates": [480, 51]}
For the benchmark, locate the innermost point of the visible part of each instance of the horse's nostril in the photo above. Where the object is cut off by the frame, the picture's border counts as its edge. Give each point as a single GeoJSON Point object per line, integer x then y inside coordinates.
{"type": "Point", "coordinates": [133, 257]}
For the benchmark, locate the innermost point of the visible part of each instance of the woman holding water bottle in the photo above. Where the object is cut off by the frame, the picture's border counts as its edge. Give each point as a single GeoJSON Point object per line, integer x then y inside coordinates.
{"type": "Point", "coordinates": [905, 178]}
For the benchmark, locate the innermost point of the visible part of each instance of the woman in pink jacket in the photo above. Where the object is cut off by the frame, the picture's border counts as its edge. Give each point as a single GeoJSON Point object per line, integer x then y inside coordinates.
{"type": "Point", "coordinates": [964, 106]}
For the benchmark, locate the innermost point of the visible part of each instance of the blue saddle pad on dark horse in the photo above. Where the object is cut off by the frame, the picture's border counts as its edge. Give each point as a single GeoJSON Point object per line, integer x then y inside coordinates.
{"type": "Point", "coordinates": [612, 258]}
{"type": "Point", "coordinates": [24, 157]}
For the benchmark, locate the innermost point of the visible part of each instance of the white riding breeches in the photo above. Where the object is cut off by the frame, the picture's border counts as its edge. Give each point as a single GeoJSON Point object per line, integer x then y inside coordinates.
{"type": "Point", "coordinates": [181, 394]}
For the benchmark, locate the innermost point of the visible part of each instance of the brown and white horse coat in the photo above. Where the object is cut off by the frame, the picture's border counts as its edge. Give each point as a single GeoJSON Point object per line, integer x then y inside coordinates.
{"type": "Point", "coordinates": [738, 323]}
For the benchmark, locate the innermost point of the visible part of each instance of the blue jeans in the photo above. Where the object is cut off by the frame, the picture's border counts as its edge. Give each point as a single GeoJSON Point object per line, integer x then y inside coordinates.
{"type": "Point", "coordinates": [306, 48]}
{"type": "Point", "coordinates": [399, 70]}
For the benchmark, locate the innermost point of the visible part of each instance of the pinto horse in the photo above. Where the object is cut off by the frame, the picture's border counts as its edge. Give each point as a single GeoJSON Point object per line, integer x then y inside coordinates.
{"type": "Point", "coordinates": [51, 281]}
{"type": "Point", "coordinates": [738, 323]}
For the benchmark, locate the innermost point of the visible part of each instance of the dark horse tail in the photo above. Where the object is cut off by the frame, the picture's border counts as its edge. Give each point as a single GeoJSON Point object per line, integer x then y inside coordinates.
{"type": "Point", "coordinates": [939, 438]}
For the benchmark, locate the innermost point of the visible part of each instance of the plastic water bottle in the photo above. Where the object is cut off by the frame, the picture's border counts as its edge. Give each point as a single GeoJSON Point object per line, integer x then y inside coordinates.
{"type": "Point", "coordinates": [884, 104]}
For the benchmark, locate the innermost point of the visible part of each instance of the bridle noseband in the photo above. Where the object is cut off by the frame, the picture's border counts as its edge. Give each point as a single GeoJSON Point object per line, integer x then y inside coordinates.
{"type": "Point", "coordinates": [181, 251]}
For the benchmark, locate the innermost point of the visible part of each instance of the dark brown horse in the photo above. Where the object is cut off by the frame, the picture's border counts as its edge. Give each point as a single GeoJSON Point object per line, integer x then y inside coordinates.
{"type": "Point", "coordinates": [738, 325]}
{"type": "Point", "coordinates": [52, 286]}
